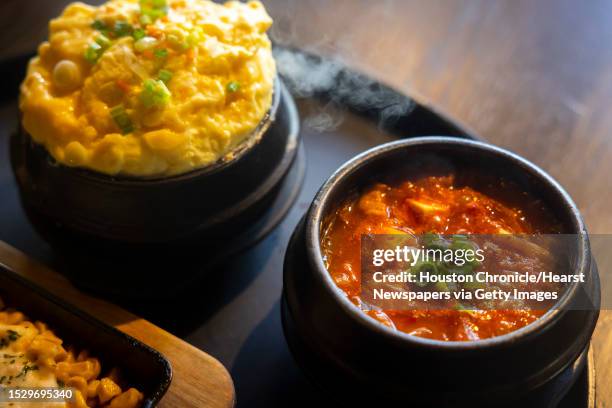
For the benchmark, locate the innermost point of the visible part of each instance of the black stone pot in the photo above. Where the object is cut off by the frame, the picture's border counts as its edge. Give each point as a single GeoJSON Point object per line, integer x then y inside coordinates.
{"type": "Point", "coordinates": [357, 359]}
{"type": "Point", "coordinates": [115, 232]}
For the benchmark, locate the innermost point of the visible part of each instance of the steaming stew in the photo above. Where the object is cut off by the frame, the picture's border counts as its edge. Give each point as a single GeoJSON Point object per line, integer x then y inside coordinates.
{"type": "Point", "coordinates": [431, 204]}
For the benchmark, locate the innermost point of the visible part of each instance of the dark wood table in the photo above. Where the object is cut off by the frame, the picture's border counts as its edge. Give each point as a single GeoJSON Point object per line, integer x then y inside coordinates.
{"type": "Point", "coordinates": [534, 76]}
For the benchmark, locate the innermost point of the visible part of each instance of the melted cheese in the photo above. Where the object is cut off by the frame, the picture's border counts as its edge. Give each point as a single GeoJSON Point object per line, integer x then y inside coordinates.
{"type": "Point", "coordinates": [13, 362]}
{"type": "Point", "coordinates": [221, 87]}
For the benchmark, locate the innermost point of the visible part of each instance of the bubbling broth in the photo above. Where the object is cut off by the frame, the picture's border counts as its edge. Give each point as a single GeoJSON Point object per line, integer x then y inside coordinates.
{"type": "Point", "coordinates": [438, 205]}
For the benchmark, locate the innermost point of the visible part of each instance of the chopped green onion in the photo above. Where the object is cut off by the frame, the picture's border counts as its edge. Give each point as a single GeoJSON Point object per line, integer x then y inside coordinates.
{"type": "Point", "coordinates": [99, 25]}
{"type": "Point", "coordinates": [460, 237]}
{"type": "Point", "coordinates": [93, 52]}
{"type": "Point", "coordinates": [165, 76]}
{"type": "Point", "coordinates": [161, 53]}
{"type": "Point", "coordinates": [122, 28]}
{"type": "Point", "coordinates": [122, 120]}
{"type": "Point", "coordinates": [103, 41]}
{"type": "Point", "coordinates": [423, 266]}
{"type": "Point", "coordinates": [151, 10]}
{"type": "Point", "coordinates": [154, 93]}
{"type": "Point", "coordinates": [192, 39]}
{"type": "Point", "coordinates": [472, 312]}
{"type": "Point", "coordinates": [233, 87]}
{"type": "Point", "coordinates": [153, 14]}
{"type": "Point", "coordinates": [146, 20]}
{"type": "Point", "coordinates": [463, 245]}
{"type": "Point", "coordinates": [138, 34]}
{"type": "Point", "coordinates": [466, 245]}
{"type": "Point", "coordinates": [154, 4]}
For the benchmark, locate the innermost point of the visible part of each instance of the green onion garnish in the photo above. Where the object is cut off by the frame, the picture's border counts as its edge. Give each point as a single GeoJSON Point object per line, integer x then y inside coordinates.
{"type": "Point", "coordinates": [153, 14]}
{"type": "Point", "coordinates": [146, 19]}
{"type": "Point", "coordinates": [191, 40]}
{"type": "Point", "coordinates": [103, 41]}
{"type": "Point", "coordinates": [154, 93]}
{"type": "Point", "coordinates": [459, 307]}
{"type": "Point", "coordinates": [165, 76]}
{"type": "Point", "coordinates": [463, 245]}
{"type": "Point", "coordinates": [423, 266]}
{"type": "Point", "coordinates": [122, 28]}
{"type": "Point", "coordinates": [122, 120]}
{"type": "Point", "coordinates": [138, 34]}
{"type": "Point", "coordinates": [93, 52]}
{"type": "Point", "coordinates": [151, 10]}
{"type": "Point", "coordinates": [233, 87]}
{"type": "Point", "coordinates": [154, 4]}
{"type": "Point", "coordinates": [99, 25]}
{"type": "Point", "coordinates": [161, 53]}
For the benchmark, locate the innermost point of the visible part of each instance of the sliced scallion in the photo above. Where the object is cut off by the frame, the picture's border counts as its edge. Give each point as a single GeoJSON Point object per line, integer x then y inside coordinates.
{"type": "Point", "coordinates": [161, 53]}
{"type": "Point", "coordinates": [153, 3]}
{"type": "Point", "coordinates": [122, 119]}
{"type": "Point", "coordinates": [103, 41]}
{"type": "Point", "coordinates": [165, 76]}
{"type": "Point", "coordinates": [145, 19]}
{"type": "Point", "coordinates": [93, 52]}
{"type": "Point", "coordinates": [122, 29]}
{"type": "Point", "coordinates": [151, 10]}
{"type": "Point", "coordinates": [99, 25]}
{"type": "Point", "coordinates": [154, 94]}
{"type": "Point", "coordinates": [138, 34]}
{"type": "Point", "coordinates": [193, 39]}
{"type": "Point", "coordinates": [425, 266]}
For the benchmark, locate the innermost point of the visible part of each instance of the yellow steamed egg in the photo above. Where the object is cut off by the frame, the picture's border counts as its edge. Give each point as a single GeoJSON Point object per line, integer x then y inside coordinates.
{"type": "Point", "coordinates": [149, 87]}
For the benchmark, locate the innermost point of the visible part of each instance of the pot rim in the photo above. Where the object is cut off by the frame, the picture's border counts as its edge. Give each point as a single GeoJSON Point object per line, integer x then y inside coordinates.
{"type": "Point", "coordinates": [229, 158]}
{"type": "Point", "coordinates": [315, 218]}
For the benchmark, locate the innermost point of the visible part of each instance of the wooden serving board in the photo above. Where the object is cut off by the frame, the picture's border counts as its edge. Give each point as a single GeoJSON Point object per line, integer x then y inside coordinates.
{"type": "Point", "coordinates": [199, 380]}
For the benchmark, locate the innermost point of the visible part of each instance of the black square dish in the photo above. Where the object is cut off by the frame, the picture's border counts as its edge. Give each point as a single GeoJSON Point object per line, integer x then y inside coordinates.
{"type": "Point", "coordinates": [143, 367]}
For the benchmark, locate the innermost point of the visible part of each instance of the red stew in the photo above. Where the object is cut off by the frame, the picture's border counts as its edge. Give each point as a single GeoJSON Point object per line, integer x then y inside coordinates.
{"type": "Point", "coordinates": [432, 204]}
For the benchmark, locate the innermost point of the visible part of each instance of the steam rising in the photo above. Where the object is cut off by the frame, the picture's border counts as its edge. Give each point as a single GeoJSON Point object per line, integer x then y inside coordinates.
{"type": "Point", "coordinates": [313, 76]}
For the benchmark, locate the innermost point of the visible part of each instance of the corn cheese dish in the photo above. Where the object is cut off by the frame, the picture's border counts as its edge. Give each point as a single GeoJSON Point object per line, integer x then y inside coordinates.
{"type": "Point", "coordinates": [33, 356]}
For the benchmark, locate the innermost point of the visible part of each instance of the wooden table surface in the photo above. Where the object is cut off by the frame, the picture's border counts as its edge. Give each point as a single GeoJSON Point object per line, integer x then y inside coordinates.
{"type": "Point", "coordinates": [534, 76]}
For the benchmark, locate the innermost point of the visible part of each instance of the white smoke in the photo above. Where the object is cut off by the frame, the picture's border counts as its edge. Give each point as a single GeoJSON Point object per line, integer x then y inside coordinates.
{"type": "Point", "coordinates": [308, 76]}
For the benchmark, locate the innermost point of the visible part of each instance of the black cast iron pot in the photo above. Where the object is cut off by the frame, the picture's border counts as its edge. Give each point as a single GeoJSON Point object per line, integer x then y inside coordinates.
{"type": "Point", "coordinates": [357, 359]}
{"type": "Point", "coordinates": [135, 230]}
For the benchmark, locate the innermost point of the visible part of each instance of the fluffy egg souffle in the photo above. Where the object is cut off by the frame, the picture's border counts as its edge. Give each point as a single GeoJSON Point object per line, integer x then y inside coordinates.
{"type": "Point", "coordinates": [151, 87]}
